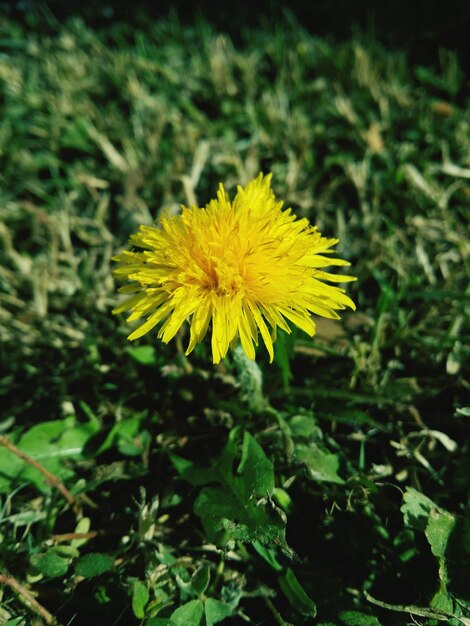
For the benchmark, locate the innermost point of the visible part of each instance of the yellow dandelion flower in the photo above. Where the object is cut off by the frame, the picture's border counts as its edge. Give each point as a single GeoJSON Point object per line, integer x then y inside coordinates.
{"type": "Point", "coordinates": [244, 268]}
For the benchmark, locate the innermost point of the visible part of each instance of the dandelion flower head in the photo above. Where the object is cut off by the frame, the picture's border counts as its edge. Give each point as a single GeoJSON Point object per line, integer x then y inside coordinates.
{"type": "Point", "coordinates": [242, 268]}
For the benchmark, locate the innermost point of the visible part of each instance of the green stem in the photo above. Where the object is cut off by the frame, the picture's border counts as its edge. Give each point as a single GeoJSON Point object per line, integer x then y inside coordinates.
{"type": "Point", "coordinates": [250, 378]}
{"type": "Point", "coordinates": [277, 616]}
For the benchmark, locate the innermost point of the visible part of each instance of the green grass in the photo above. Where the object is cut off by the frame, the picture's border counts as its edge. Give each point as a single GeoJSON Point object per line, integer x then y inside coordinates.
{"type": "Point", "coordinates": [340, 488]}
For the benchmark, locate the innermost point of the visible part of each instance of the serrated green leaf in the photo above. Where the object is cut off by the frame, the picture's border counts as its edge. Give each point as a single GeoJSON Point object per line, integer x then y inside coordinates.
{"type": "Point", "coordinates": [93, 564]}
{"type": "Point", "coordinates": [296, 595]}
{"type": "Point", "coordinates": [256, 466]}
{"type": "Point", "coordinates": [415, 508]}
{"type": "Point", "coordinates": [443, 601]}
{"type": "Point", "coordinates": [239, 509]}
{"type": "Point", "coordinates": [189, 613]}
{"type": "Point", "coordinates": [50, 563]}
{"type": "Point", "coordinates": [140, 597]}
{"type": "Point", "coordinates": [227, 516]}
{"type": "Point", "coordinates": [438, 526]}
{"type": "Point", "coordinates": [438, 530]}
{"type": "Point", "coordinates": [321, 466]}
{"type": "Point", "coordinates": [216, 611]}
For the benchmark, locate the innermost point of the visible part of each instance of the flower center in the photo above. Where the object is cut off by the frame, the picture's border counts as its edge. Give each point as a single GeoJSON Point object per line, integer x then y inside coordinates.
{"type": "Point", "coordinates": [214, 271]}
{"type": "Point", "coordinates": [226, 279]}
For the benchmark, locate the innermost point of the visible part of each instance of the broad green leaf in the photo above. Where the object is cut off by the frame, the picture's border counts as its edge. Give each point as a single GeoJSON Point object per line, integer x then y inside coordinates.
{"type": "Point", "coordinates": [415, 508]}
{"type": "Point", "coordinates": [256, 466]}
{"type": "Point", "coordinates": [51, 444]}
{"type": "Point", "coordinates": [133, 445]}
{"type": "Point", "coordinates": [238, 506]}
{"type": "Point", "coordinates": [454, 568]}
{"type": "Point", "coordinates": [268, 555]}
{"type": "Point", "coordinates": [123, 435]}
{"type": "Point", "coordinates": [440, 527]}
{"type": "Point", "coordinates": [67, 551]}
{"type": "Point", "coordinates": [303, 426]}
{"type": "Point", "coordinates": [188, 614]}
{"type": "Point", "coordinates": [201, 578]}
{"type": "Point", "coordinates": [321, 466]}
{"type": "Point", "coordinates": [140, 597]}
{"type": "Point", "coordinates": [296, 595]}
{"type": "Point", "coordinates": [228, 516]}
{"type": "Point", "coordinates": [83, 526]}
{"type": "Point", "coordinates": [216, 611]}
{"type": "Point", "coordinates": [443, 601]}
{"type": "Point", "coordinates": [50, 563]}
{"type": "Point", "coordinates": [282, 499]}
{"type": "Point", "coordinates": [355, 618]}
{"type": "Point", "coordinates": [423, 514]}
{"type": "Point", "coordinates": [192, 472]}
{"type": "Point", "coordinates": [93, 564]}
{"type": "Point", "coordinates": [438, 530]}
{"type": "Point", "coordinates": [145, 355]}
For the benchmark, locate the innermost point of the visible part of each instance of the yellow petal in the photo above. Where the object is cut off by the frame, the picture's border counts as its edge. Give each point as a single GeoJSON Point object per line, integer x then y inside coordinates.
{"type": "Point", "coordinates": [301, 320]}
{"type": "Point", "coordinates": [263, 329]}
{"type": "Point", "coordinates": [152, 321]}
{"type": "Point", "coordinates": [246, 338]}
{"type": "Point", "coordinates": [199, 324]}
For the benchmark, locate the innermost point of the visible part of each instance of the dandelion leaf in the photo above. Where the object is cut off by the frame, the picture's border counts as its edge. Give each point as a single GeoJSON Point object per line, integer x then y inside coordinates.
{"type": "Point", "coordinates": [235, 503]}
{"type": "Point", "coordinates": [189, 613]}
{"type": "Point", "coordinates": [296, 594]}
{"type": "Point", "coordinates": [216, 611]}
{"type": "Point", "coordinates": [321, 466]}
